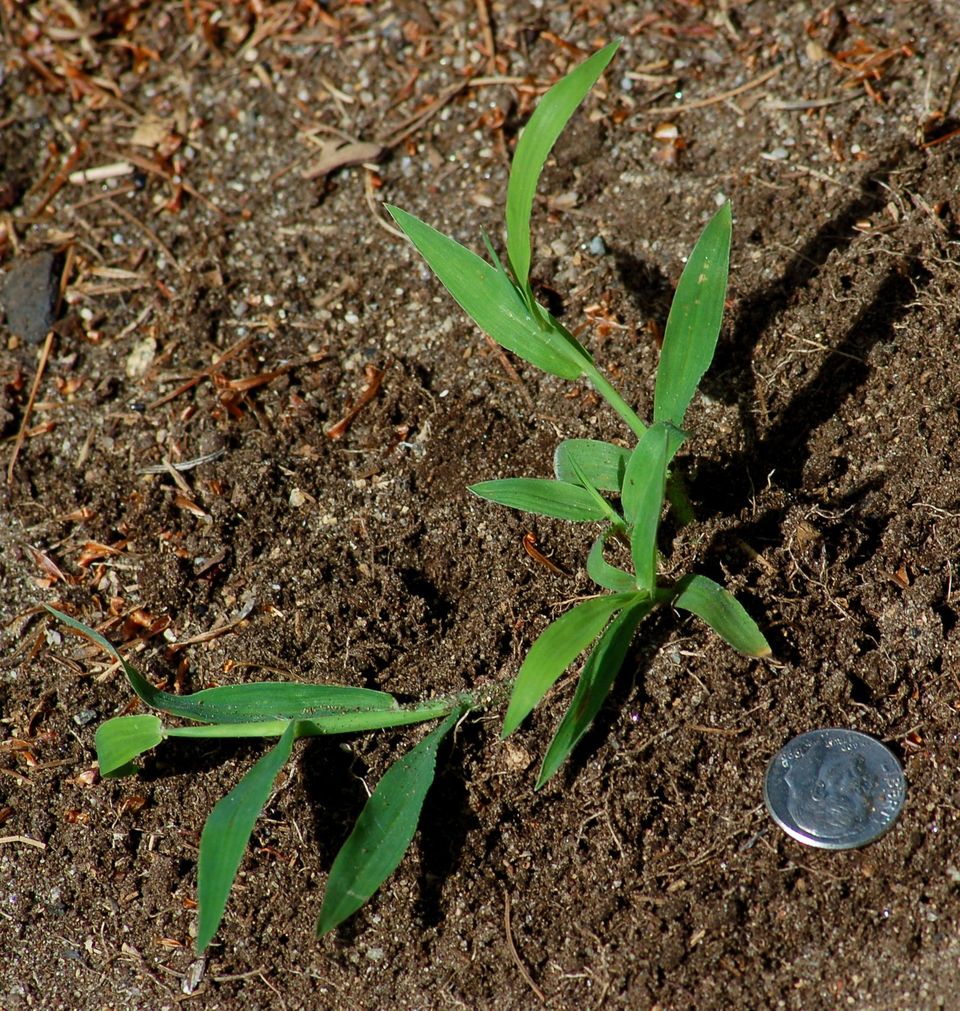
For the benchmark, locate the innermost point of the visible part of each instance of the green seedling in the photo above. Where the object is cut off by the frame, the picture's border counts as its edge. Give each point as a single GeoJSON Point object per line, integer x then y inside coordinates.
{"type": "Point", "coordinates": [586, 471]}
{"type": "Point", "coordinates": [387, 823]}
{"type": "Point", "coordinates": [597, 482]}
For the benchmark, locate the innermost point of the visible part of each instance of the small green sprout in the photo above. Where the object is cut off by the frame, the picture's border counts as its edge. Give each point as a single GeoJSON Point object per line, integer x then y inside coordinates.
{"type": "Point", "coordinates": [387, 823]}
{"type": "Point", "coordinates": [586, 470]}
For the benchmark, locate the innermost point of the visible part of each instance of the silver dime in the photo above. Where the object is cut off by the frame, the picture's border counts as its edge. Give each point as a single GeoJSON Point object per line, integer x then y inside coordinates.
{"type": "Point", "coordinates": [836, 789]}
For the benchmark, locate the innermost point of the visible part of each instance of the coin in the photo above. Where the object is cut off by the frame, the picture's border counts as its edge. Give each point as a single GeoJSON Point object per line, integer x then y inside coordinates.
{"type": "Point", "coordinates": [836, 789]}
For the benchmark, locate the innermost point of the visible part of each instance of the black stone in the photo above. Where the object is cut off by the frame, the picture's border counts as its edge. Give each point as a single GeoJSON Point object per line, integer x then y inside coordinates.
{"type": "Point", "coordinates": [30, 294]}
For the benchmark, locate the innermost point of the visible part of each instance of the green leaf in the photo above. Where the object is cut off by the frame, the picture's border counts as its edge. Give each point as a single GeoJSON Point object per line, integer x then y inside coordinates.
{"type": "Point", "coordinates": [492, 253]}
{"type": "Point", "coordinates": [643, 490]}
{"type": "Point", "coordinates": [489, 298]}
{"type": "Point", "coordinates": [383, 831]}
{"type": "Point", "coordinates": [594, 685]}
{"type": "Point", "coordinates": [637, 473]}
{"type": "Point", "coordinates": [227, 832]}
{"type": "Point", "coordinates": [602, 504]}
{"type": "Point", "coordinates": [122, 739]}
{"type": "Point", "coordinates": [721, 610]}
{"type": "Point", "coordinates": [603, 463]}
{"type": "Point", "coordinates": [280, 700]}
{"type": "Point", "coordinates": [602, 572]}
{"type": "Point", "coordinates": [265, 700]}
{"type": "Point", "coordinates": [542, 496]}
{"type": "Point", "coordinates": [331, 723]}
{"type": "Point", "coordinates": [533, 147]}
{"type": "Point", "coordinates": [556, 648]}
{"type": "Point", "coordinates": [693, 325]}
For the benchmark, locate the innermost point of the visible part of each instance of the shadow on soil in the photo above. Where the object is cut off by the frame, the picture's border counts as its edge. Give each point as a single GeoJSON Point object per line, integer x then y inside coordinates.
{"type": "Point", "coordinates": [780, 455]}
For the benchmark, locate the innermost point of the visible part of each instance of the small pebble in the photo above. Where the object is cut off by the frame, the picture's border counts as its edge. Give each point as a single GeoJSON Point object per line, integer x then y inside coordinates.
{"type": "Point", "coordinates": [597, 246]}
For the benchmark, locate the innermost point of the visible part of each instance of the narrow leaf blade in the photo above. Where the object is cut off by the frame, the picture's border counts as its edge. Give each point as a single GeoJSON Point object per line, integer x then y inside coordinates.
{"type": "Point", "coordinates": [599, 673]}
{"type": "Point", "coordinates": [280, 700]}
{"type": "Point", "coordinates": [383, 831]}
{"type": "Point", "coordinates": [693, 325]}
{"type": "Point", "coordinates": [643, 463]}
{"type": "Point", "coordinates": [542, 496]}
{"type": "Point", "coordinates": [140, 685]}
{"type": "Point", "coordinates": [602, 504]}
{"type": "Point", "coordinates": [602, 572]}
{"type": "Point", "coordinates": [537, 140]}
{"type": "Point", "coordinates": [253, 703]}
{"type": "Point", "coordinates": [227, 832]}
{"type": "Point", "coordinates": [556, 648]}
{"type": "Point", "coordinates": [643, 490]}
{"type": "Point", "coordinates": [119, 741]}
{"type": "Point", "coordinates": [489, 298]}
{"type": "Point", "coordinates": [321, 724]}
{"type": "Point", "coordinates": [603, 463]}
{"type": "Point", "coordinates": [721, 610]}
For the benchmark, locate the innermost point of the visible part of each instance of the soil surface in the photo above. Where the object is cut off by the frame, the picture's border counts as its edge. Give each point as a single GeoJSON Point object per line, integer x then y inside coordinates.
{"type": "Point", "coordinates": [231, 299]}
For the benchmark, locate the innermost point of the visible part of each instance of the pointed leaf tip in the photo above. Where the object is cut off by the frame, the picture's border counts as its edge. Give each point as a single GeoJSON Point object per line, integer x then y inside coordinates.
{"type": "Point", "coordinates": [693, 324]}
{"type": "Point", "coordinates": [534, 146]}
{"type": "Point", "coordinates": [721, 610]}
{"type": "Point", "coordinates": [384, 830]}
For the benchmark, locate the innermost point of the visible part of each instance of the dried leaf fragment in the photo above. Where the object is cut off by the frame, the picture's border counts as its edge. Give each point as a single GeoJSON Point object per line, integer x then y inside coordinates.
{"type": "Point", "coordinates": [334, 156]}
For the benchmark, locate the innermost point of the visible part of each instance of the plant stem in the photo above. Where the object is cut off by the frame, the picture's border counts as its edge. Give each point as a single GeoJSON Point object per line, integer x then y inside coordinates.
{"type": "Point", "coordinates": [676, 491]}
{"type": "Point", "coordinates": [606, 390]}
{"type": "Point", "coordinates": [351, 722]}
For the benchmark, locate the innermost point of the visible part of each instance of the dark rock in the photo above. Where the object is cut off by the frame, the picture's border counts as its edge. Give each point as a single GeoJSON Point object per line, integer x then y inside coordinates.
{"type": "Point", "coordinates": [30, 296]}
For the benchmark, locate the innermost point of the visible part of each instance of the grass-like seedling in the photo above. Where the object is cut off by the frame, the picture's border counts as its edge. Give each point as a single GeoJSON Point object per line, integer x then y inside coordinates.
{"type": "Point", "coordinates": [624, 489]}
{"type": "Point", "coordinates": [503, 304]}
{"type": "Point", "coordinates": [385, 826]}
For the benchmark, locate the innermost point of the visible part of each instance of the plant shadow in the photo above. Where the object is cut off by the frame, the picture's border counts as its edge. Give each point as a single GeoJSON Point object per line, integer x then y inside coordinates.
{"type": "Point", "coordinates": [755, 313]}
{"type": "Point", "coordinates": [654, 632]}
{"type": "Point", "coordinates": [647, 286]}
{"type": "Point", "coordinates": [444, 823]}
{"type": "Point", "coordinates": [781, 454]}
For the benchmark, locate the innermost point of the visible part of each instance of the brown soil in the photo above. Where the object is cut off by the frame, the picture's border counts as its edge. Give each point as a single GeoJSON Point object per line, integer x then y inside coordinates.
{"type": "Point", "coordinates": [822, 465]}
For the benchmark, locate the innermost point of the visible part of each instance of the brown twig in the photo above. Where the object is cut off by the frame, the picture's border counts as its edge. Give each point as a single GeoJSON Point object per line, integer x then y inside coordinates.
{"type": "Point", "coordinates": [149, 232]}
{"type": "Point", "coordinates": [63, 176]}
{"type": "Point", "coordinates": [665, 110]}
{"type": "Point", "coordinates": [515, 954]}
{"type": "Point", "coordinates": [154, 168]}
{"type": "Point", "coordinates": [197, 377]}
{"type": "Point", "coordinates": [530, 546]}
{"type": "Point", "coordinates": [374, 207]}
{"type": "Point", "coordinates": [510, 370]}
{"type": "Point", "coordinates": [374, 378]}
{"type": "Point", "coordinates": [417, 120]}
{"type": "Point", "coordinates": [211, 633]}
{"type": "Point", "coordinates": [486, 30]}
{"type": "Point", "coordinates": [22, 434]}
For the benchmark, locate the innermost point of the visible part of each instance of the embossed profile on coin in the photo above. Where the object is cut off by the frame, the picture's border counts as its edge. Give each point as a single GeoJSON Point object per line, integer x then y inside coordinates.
{"type": "Point", "coordinates": [832, 792]}
{"type": "Point", "coordinates": [834, 788]}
